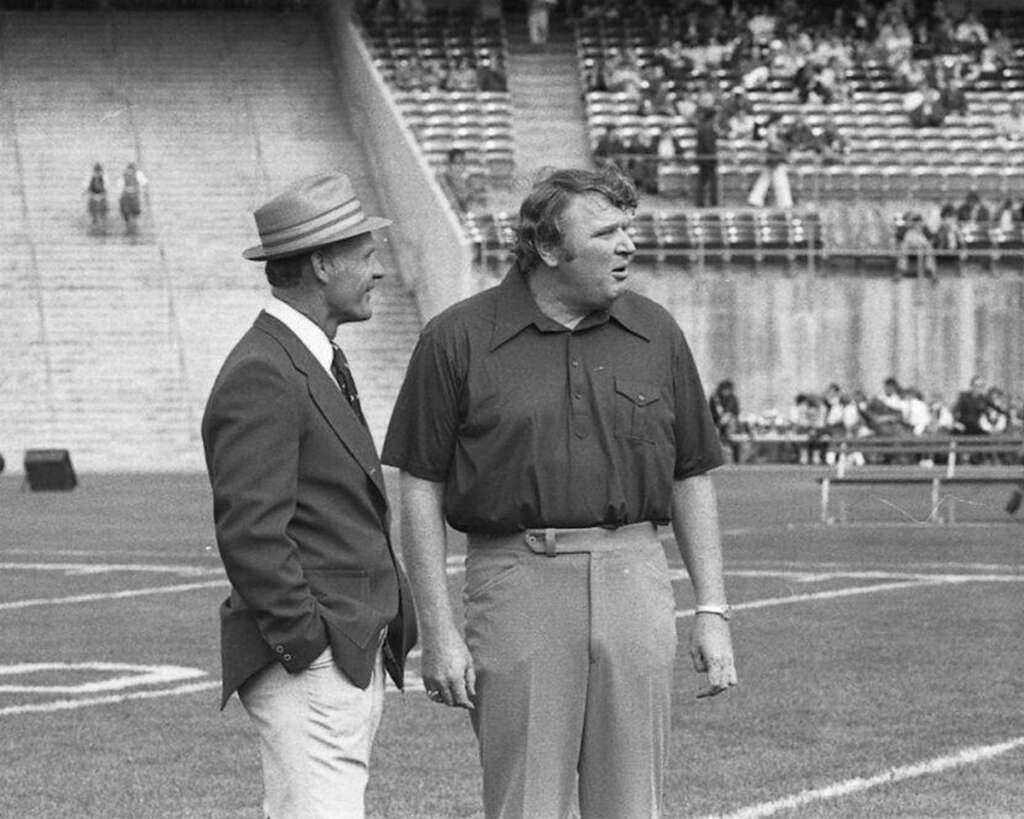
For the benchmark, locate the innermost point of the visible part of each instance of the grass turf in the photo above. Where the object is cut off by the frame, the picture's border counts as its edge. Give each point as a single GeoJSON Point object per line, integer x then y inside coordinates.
{"type": "Point", "coordinates": [832, 687]}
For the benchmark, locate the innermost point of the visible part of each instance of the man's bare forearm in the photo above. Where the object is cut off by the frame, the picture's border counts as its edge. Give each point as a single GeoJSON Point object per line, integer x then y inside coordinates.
{"type": "Point", "coordinates": [424, 549]}
{"type": "Point", "coordinates": [695, 524]}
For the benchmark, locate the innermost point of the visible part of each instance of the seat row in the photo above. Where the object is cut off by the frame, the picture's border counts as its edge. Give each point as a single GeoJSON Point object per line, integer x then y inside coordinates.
{"type": "Point", "coordinates": [660, 233]}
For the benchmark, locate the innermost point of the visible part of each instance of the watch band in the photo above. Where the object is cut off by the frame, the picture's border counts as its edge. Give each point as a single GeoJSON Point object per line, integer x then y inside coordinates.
{"type": "Point", "coordinates": [725, 612]}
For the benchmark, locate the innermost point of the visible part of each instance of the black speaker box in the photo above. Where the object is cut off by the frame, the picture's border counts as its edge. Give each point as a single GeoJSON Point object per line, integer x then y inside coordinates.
{"type": "Point", "coordinates": [49, 469]}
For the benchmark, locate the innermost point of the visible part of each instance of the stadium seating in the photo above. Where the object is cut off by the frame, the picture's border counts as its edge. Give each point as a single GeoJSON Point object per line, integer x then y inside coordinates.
{"type": "Point", "coordinates": [478, 122]}
{"type": "Point", "coordinates": [887, 157]}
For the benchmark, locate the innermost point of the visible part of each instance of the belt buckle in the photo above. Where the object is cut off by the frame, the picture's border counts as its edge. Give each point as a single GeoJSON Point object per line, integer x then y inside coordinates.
{"type": "Point", "coordinates": [532, 538]}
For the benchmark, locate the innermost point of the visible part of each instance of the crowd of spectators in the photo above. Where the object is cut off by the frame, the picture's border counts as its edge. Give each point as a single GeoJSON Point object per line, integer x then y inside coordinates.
{"type": "Point", "coordinates": [814, 420]}
{"type": "Point", "coordinates": [928, 51]}
{"type": "Point", "coordinates": [413, 73]}
{"type": "Point", "coordinates": [945, 229]}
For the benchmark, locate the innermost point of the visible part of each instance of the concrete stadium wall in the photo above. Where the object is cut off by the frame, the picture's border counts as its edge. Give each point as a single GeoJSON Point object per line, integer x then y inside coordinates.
{"type": "Point", "coordinates": [435, 258]}
{"type": "Point", "coordinates": [778, 335]}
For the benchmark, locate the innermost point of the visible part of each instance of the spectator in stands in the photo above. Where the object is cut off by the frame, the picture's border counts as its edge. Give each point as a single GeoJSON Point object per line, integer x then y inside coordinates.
{"type": "Point", "coordinates": [909, 75]}
{"type": "Point", "coordinates": [762, 25]}
{"type": "Point", "coordinates": [917, 251]}
{"type": "Point", "coordinates": [725, 412]}
{"type": "Point", "coordinates": [971, 35]}
{"type": "Point", "coordinates": [433, 74]}
{"type": "Point", "coordinates": [592, 75]}
{"type": "Point", "coordinates": [131, 188]}
{"type": "Point", "coordinates": [1006, 215]}
{"type": "Point", "coordinates": [972, 209]}
{"type": "Point", "coordinates": [735, 103]}
{"type": "Point", "coordinates": [656, 92]}
{"type": "Point", "coordinates": [941, 413]}
{"type": "Point", "coordinates": [707, 157]}
{"type": "Point", "coordinates": [622, 72]}
{"type": "Point", "coordinates": [537, 20]}
{"type": "Point", "coordinates": [807, 417]}
{"type": "Point", "coordinates": [1010, 127]}
{"type": "Point", "coordinates": [894, 39]}
{"type": "Point", "coordinates": [676, 62]}
{"type": "Point", "coordinates": [924, 107]}
{"type": "Point", "coordinates": [608, 146]}
{"type": "Point", "coordinates": [883, 413]}
{"type": "Point", "coordinates": [997, 54]}
{"type": "Point", "coordinates": [828, 142]}
{"type": "Point", "coordinates": [949, 236]}
{"type": "Point", "coordinates": [952, 96]}
{"type": "Point", "coordinates": [969, 408]}
{"type": "Point", "coordinates": [917, 416]}
{"type": "Point", "coordinates": [668, 149]}
{"type": "Point", "coordinates": [784, 61]}
{"type": "Point", "coordinates": [842, 418]}
{"type": "Point", "coordinates": [461, 77]}
{"type": "Point", "coordinates": [407, 76]}
{"type": "Point", "coordinates": [460, 186]}
{"type": "Point", "coordinates": [96, 191]}
{"type": "Point", "coordinates": [775, 173]}
{"type": "Point", "coordinates": [828, 84]}
{"type": "Point", "coordinates": [489, 77]}
{"type": "Point", "coordinates": [642, 162]}
{"type": "Point", "coordinates": [996, 417]}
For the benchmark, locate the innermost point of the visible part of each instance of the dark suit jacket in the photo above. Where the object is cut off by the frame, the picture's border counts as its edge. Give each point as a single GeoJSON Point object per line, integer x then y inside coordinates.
{"type": "Point", "coordinates": [301, 518]}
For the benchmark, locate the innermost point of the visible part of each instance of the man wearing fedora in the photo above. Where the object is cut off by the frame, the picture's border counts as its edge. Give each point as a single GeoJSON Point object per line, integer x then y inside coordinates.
{"type": "Point", "coordinates": [319, 607]}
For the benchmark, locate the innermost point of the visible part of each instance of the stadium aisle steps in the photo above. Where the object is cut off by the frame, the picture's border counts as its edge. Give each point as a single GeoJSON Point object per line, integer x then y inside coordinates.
{"type": "Point", "coordinates": [548, 122]}
{"type": "Point", "coordinates": [118, 338]}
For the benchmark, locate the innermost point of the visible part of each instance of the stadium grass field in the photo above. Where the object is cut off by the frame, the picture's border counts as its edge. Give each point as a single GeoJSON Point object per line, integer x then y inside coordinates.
{"type": "Point", "coordinates": [881, 670]}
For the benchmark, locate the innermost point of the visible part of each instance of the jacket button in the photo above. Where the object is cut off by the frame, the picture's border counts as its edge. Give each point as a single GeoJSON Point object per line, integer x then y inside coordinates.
{"type": "Point", "coordinates": [279, 649]}
{"type": "Point", "coordinates": [287, 657]}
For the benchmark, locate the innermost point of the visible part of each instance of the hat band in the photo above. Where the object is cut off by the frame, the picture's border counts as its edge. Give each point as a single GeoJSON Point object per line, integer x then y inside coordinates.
{"type": "Point", "coordinates": [304, 234]}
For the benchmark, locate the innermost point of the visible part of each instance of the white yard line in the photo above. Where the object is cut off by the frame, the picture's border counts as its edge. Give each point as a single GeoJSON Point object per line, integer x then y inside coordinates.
{"type": "Point", "coordinates": [113, 677]}
{"type": "Point", "coordinates": [111, 699]}
{"type": "Point", "coordinates": [118, 595]}
{"type": "Point", "coordinates": [968, 756]}
{"type": "Point", "coordinates": [824, 595]}
{"type": "Point", "coordinates": [108, 568]}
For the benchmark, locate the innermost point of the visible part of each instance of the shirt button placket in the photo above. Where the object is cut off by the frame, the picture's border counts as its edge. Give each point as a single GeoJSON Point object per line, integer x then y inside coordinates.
{"type": "Point", "coordinates": [580, 416]}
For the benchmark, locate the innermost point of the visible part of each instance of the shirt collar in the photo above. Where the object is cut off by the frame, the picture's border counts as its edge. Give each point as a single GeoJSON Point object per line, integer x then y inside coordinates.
{"type": "Point", "coordinates": [314, 339]}
{"type": "Point", "coordinates": [515, 310]}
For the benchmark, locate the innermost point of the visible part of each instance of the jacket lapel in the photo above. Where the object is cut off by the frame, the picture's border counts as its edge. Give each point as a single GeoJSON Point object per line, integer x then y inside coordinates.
{"type": "Point", "coordinates": [329, 401]}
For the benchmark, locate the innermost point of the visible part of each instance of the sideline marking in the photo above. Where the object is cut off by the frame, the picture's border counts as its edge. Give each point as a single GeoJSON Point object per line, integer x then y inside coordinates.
{"type": "Point", "coordinates": [67, 705]}
{"type": "Point", "coordinates": [824, 595]}
{"type": "Point", "coordinates": [968, 756]}
{"type": "Point", "coordinates": [137, 675]}
{"type": "Point", "coordinates": [119, 595]}
{"type": "Point", "coordinates": [107, 568]}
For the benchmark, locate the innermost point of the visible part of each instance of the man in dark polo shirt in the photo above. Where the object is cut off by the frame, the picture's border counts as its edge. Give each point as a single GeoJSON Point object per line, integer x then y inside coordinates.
{"type": "Point", "coordinates": [556, 419]}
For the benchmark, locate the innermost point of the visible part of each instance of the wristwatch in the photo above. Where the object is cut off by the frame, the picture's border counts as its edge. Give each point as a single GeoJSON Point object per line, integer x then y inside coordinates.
{"type": "Point", "coordinates": [725, 612]}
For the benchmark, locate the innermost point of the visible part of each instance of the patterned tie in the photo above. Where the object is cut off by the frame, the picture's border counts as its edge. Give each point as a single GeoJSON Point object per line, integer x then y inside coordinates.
{"type": "Point", "coordinates": [341, 372]}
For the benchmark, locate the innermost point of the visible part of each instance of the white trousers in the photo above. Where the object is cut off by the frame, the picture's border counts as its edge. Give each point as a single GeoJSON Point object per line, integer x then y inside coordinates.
{"type": "Point", "coordinates": [778, 178]}
{"type": "Point", "coordinates": [315, 731]}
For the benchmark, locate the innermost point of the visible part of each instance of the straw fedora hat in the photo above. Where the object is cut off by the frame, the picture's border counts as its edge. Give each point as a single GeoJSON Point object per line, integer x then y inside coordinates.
{"type": "Point", "coordinates": [317, 210]}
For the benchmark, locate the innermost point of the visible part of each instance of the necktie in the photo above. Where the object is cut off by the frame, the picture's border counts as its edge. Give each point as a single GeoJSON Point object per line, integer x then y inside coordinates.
{"type": "Point", "coordinates": [340, 370]}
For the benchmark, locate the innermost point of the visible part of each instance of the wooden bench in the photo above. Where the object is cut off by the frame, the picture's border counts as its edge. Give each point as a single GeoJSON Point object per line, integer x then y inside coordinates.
{"type": "Point", "coordinates": [957, 451]}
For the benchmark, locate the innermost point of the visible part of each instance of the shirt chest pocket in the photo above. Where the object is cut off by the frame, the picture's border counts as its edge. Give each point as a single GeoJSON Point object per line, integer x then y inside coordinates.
{"type": "Point", "coordinates": [638, 409]}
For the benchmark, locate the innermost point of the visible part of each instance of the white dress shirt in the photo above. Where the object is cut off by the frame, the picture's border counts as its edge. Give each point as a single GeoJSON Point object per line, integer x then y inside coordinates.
{"type": "Point", "coordinates": [309, 334]}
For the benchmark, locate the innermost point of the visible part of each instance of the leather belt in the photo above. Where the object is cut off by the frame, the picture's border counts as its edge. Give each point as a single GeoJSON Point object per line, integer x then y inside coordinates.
{"type": "Point", "coordinates": [553, 542]}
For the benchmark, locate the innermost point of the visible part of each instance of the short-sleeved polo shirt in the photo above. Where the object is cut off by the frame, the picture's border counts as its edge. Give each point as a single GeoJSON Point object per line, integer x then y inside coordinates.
{"type": "Point", "coordinates": [530, 424]}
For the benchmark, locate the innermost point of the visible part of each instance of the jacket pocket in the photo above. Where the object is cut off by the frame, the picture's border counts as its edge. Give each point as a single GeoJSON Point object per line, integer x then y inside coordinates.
{"type": "Point", "coordinates": [344, 595]}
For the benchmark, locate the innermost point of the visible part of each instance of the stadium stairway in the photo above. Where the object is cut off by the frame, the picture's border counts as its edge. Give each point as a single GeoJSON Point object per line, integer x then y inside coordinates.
{"type": "Point", "coordinates": [548, 121]}
{"type": "Point", "coordinates": [111, 341]}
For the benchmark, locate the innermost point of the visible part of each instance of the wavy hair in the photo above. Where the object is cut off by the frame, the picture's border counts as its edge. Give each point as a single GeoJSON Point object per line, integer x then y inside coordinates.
{"type": "Point", "coordinates": [548, 199]}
